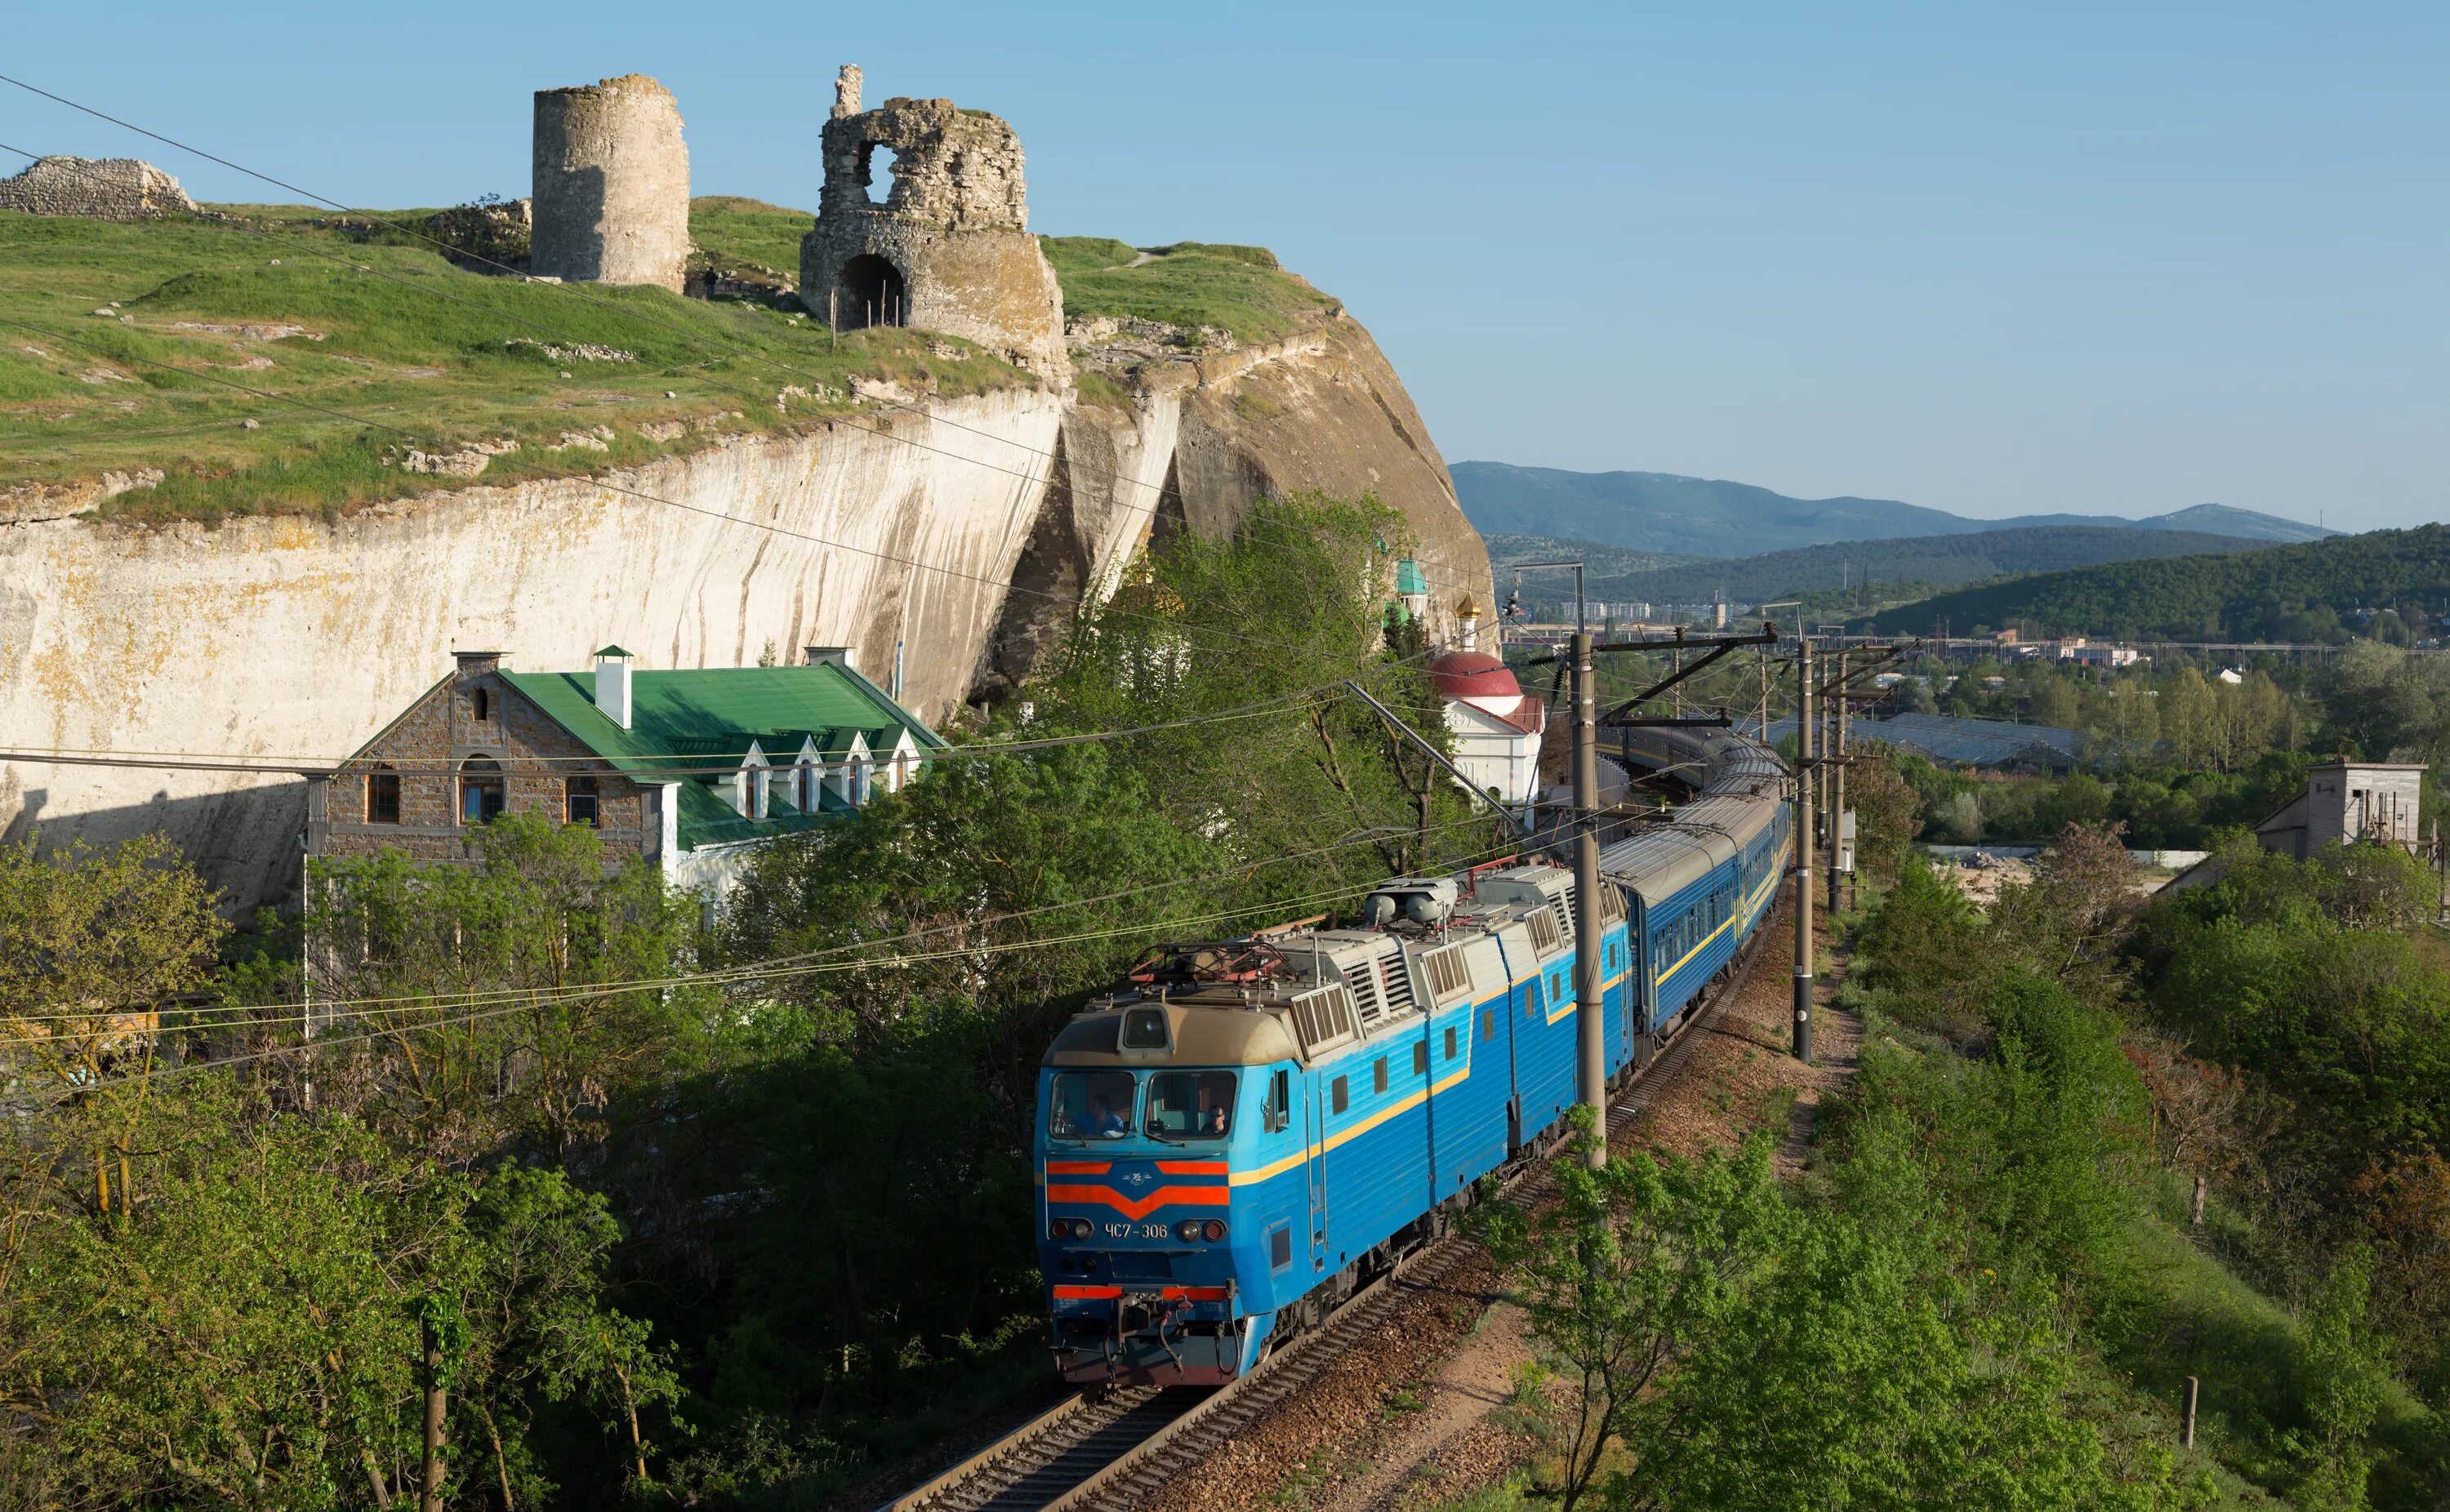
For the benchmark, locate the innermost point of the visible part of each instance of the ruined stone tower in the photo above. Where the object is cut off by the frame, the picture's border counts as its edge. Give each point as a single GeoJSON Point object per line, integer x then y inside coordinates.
{"type": "Point", "coordinates": [611, 183]}
{"type": "Point", "coordinates": [949, 249]}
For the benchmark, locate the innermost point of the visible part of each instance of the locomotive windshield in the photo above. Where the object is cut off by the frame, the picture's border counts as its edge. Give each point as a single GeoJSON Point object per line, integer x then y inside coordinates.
{"type": "Point", "coordinates": [1190, 1105]}
{"type": "Point", "coordinates": [1091, 1105]}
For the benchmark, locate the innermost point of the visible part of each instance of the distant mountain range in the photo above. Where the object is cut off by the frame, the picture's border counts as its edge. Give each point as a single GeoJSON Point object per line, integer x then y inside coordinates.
{"type": "Point", "coordinates": [1916, 564]}
{"type": "Point", "coordinates": [1663, 513]}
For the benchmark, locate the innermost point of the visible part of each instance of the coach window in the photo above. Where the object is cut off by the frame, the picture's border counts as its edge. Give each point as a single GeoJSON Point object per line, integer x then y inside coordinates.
{"type": "Point", "coordinates": [1421, 1057]}
{"type": "Point", "coordinates": [1489, 1023]}
{"type": "Point", "coordinates": [1378, 1074]}
{"type": "Point", "coordinates": [1341, 1094]}
{"type": "Point", "coordinates": [580, 801]}
{"type": "Point", "coordinates": [1190, 1104]}
{"type": "Point", "coordinates": [480, 791]}
{"type": "Point", "coordinates": [1450, 1042]}
{"type": "Point", "coordinates": [382, 796]}
{"type": "Point", "coordinates": [1090, 1105]}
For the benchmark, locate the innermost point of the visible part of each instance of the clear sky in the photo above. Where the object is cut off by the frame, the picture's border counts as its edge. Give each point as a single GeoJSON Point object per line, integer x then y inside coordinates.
{"type": "Point", "coordinates": [1993, 259]}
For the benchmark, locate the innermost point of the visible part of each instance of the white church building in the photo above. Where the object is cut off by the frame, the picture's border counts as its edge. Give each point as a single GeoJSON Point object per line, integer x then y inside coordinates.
{"type": "Point", "coordinates": [1497, 726]}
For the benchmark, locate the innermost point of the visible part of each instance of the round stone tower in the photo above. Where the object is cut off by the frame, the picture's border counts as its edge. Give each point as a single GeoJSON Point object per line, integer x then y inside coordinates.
{"type": "Point", "coordinates": [611, 184]}
{"type": "Point", "coordinates": [948, 249]}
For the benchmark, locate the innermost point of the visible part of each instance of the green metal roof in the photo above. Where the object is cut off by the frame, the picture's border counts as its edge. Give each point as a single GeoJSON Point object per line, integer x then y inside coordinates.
{"type": "Point", "coordinates": [616, 651]}
{"type": "Point", "coordinates": [682, 722]}
{"type": "Point", "coordinates": [1409, 578]}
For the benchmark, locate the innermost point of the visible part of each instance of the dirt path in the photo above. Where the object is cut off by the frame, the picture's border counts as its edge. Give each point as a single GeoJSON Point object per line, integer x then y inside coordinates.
{"type": "Point", "coordinates": [1413, 1419]}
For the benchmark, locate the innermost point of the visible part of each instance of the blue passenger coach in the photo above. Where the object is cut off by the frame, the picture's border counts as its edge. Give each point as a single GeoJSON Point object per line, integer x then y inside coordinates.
{"type": "Point", "coordinates": [1248, 1131]}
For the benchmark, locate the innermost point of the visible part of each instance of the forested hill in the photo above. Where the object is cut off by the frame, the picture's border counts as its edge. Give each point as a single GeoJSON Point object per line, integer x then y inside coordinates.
{"type": "Point", "coordinates": [1943, 560]}
{"type": "Point", "coordinates": [1663, 512]}
{"type": "Point", "coordinates": [2298, 592]}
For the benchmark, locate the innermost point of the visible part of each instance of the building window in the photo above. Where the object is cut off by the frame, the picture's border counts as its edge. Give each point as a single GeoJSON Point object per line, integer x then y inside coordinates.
{"type": "Point", "coordinates": [382, 796]}
{"type": "Point", "coordinates": [858, 770]}
{"type": "Point", "coordinates": [761, 792]}
{"type": "Point", "coordinates": [807, 789]}
{"type": "Point", "coordinates": [480, 704]}
{"type": "Point", "coordinates": [580, 801]}
{"type": "Point", "coordinates": [481, 793]}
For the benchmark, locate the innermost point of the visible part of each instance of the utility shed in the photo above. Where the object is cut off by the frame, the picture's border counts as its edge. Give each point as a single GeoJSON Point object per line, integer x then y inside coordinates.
{"type": "Point", "coordinates": [2345, 801]}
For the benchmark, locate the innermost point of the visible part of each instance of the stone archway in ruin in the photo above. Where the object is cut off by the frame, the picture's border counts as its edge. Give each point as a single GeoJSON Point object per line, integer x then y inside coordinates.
{"type": "Point", "coordinates": [871, 292]}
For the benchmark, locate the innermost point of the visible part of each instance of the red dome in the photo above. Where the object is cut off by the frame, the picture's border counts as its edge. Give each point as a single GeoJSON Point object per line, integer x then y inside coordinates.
{"type": "Point", "coordinates": [1473, 674]}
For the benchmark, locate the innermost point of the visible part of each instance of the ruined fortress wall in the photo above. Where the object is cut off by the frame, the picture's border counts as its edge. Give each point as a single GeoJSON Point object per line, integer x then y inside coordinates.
{"type": "Point", "coordinates": [103, 189]}
{"type": "Point", "coordinates": [611, 183]}
{"type": "Point", "coordinates": [955, 228]}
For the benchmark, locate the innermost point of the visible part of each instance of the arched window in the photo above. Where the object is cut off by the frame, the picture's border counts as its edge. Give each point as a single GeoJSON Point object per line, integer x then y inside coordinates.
{"type": "Point", "coordinates": [481, 793]}
{"type": "Point", "coordinates": [804, 793]}
{"type": "Point", "coordinates": [382, 796]}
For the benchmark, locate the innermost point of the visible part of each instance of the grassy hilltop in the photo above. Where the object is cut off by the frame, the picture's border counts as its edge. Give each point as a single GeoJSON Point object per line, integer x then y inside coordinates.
{"type": "Point", "coordinates": [121, 330]}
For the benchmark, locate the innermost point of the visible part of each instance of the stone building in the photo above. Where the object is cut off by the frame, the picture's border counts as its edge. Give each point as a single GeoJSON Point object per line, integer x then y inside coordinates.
{"type": "Point", "coordinates": [688, 769]}
{"type": "Point", "coordinates": [948, 249]}
{"type": "Point", "coordinates": [2346, 802]}
{"type": "Point", "coordinates": [611, 184]}
{"type": "Point", "coordinates": [103, 189]}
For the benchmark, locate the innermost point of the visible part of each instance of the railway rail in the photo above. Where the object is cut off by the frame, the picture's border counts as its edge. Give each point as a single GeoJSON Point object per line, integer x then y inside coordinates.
{"type": "Point", "coordinates": [1108, 1451]}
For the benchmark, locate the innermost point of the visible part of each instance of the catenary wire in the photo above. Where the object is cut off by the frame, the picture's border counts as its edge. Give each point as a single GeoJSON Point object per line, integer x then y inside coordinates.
{"type": "Point", "coordinates": [617, 307]}
{"type": "Point", "coordinates": [334, 1042]}
{"type": "Point", "coordinates": [766, 966]}
{"type": "Point", "coordinates": [610, 486]}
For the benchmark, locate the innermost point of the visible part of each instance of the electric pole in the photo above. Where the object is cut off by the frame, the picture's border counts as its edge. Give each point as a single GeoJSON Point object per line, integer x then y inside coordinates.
{"type": "Point", "coordinates": [1803, 849]}
{"type": "Point", "coordinates": [1590, 1011]}
{"type": "Point", "coordinates": [1836, 747]}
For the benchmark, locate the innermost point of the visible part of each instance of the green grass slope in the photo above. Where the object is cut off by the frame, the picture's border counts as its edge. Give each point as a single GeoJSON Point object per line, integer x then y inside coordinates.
{"type": "Point", "coordinates": [2283, 592]}
{"type": "Point", "coordinates": [394, 339]}
{"type": "Point", "coordinates": [1241, 289]}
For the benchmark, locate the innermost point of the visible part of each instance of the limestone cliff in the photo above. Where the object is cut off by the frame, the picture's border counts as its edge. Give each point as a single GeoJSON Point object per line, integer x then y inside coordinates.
{"type": "Point", "coordinates": [291, 640]}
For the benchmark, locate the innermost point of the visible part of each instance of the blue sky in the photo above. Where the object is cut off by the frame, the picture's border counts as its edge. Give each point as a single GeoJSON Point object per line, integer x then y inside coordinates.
{"type": "Point", "coordinates": [2117, 259]}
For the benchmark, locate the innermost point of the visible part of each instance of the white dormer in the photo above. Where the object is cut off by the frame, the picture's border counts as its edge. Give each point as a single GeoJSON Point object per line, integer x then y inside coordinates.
{"type": "Point", "coordinates": [901, 763]}
{"type": "Point", "coordinates": [751, 785]}
{"type": "Point", "coordinates": [808, 771]}
{"type": "Point", "coordinates": [612, 685]}
{"type": "Point", "coordinates": [849, 780]}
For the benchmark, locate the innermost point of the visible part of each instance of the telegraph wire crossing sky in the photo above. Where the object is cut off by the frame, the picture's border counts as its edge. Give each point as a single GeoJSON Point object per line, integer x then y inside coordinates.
{"type": "Point", "coordinates": [2087, 260]}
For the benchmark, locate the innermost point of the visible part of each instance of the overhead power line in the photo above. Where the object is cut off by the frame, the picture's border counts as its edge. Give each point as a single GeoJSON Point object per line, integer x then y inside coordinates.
{"type": "Point", "coordinates": [618, 308]}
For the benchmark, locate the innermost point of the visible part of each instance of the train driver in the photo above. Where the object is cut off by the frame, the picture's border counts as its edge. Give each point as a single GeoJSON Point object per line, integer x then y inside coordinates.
{"type": "Point", "coordinates": [1104, 1123]}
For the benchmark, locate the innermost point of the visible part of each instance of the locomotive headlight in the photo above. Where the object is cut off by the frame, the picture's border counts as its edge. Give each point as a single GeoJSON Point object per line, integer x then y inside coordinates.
{"type": "Point", "coordinates": [1187, 1229]}
{"type": "Point", "coordinates": [1080, 1228]}
{"type": "Point", "coordinates": [1214, 1229]}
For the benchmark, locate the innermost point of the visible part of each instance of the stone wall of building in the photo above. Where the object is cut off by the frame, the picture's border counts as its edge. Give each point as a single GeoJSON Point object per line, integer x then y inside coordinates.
{"type": "Point", "coordinates": [950, 248]}
{"type": "Point", "coordinates": [103, 189]}
{"type": "Point", "coordinates": [611, 184]}
{"type": "Point", "coordinates": [424, 748]}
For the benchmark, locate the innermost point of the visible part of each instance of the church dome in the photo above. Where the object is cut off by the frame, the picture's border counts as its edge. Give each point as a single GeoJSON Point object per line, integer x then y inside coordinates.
{"type": "Point", "coordinates": [1473, 675]}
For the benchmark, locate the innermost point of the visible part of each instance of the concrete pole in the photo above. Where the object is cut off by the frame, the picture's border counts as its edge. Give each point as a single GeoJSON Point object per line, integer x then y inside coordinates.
{"type": "Point", "coordinates": [1837, 747]}
{"type": "Point", "coordinates": [2187, 1432]}
{"type": "Point", "coordinates": [1803, 732]}
{"type": "Point", "coordinates": [1590, 1017]}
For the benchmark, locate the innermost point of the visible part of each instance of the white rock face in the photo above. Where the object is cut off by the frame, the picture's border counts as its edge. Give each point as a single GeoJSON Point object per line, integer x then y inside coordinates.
{"type": "Point", "coordinates": [296, 640]}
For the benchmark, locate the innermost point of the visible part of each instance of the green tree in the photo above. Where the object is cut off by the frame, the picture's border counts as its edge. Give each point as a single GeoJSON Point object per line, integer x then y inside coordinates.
{"type": "Point", "coordinates": [2344, 1371]}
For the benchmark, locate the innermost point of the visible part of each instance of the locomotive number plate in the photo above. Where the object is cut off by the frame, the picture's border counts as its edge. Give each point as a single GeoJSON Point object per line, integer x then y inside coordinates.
{"type": "Point", "coordinates": [1143, 1230]}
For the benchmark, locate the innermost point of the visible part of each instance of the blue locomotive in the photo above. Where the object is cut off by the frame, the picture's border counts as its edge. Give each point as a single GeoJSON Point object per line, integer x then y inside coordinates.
{"type": "Point", "coordinates": [1248, 1131]}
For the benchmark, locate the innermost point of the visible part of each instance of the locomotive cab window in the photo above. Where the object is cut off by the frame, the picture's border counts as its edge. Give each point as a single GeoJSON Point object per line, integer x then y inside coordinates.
{"type": "Point", "coordinates": [1091, 1105]}
{"type": "Point", "coordinates": [1190, 1104]}
{"type": "Point", "coordinates": [1277, 1111]}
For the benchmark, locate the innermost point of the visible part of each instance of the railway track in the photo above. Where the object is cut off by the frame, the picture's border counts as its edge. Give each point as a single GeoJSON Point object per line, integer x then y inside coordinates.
{"type": "Point", "coordinates": [1110, 1450]}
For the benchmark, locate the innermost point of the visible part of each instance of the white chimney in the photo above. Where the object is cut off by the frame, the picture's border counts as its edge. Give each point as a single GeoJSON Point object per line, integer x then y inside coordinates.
{"type": "Point", "coordinates": [819, 655]}
{"type": "Point", "coordinates": [612, 685]}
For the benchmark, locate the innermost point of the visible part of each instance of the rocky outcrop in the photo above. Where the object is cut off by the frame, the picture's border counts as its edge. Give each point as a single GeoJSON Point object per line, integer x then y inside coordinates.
{"type": "Point", "coordinates": [965, 537]}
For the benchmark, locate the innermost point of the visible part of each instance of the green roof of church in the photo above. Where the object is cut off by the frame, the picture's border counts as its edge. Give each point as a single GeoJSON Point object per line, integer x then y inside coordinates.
{"type": "Point", "coordinates": [682, 723]}
{"type": "Point", "coordinates": [1409, 578]}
